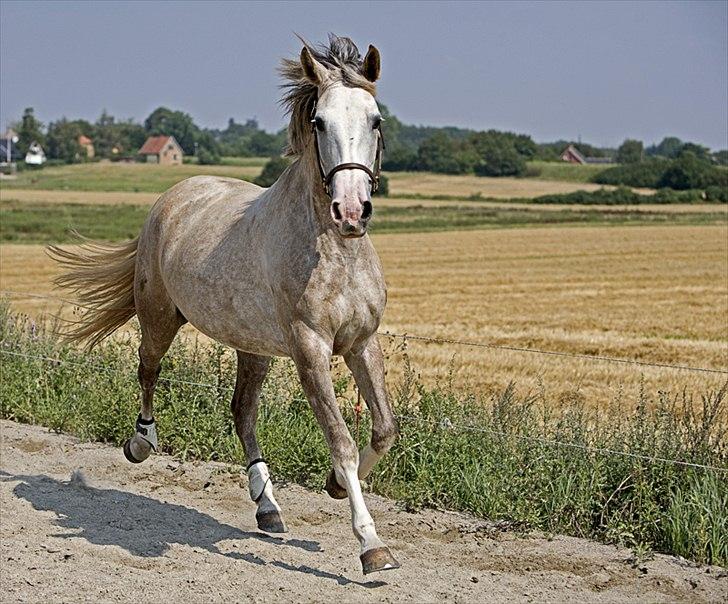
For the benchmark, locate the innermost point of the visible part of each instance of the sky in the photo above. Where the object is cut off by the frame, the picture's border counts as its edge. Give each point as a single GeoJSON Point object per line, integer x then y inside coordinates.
{"type": "Point", "coordinates": [602, 71]}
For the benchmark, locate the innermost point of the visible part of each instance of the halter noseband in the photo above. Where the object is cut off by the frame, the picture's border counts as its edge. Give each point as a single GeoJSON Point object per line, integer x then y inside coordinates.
{"type": "Point", "coordinates": [327, 178]}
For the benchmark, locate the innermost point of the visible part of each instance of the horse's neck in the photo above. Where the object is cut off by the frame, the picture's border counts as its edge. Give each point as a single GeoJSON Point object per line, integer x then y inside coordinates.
{"type": "Point", "coordinates": [300, 202]}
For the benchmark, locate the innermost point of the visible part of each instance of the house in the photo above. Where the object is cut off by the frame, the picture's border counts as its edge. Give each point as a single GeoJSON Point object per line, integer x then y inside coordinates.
{"type": "Point", "coordinates": [35, 155]}
{"type": "Point", "coordinates": [87, 145]}
{"type": "Point", "coordinates": [162, 150]}
{"type": "Point", "coordinates": [572, 155]}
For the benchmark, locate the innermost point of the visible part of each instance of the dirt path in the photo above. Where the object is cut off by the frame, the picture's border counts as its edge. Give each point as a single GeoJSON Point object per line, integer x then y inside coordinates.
{"type": "Point", "coordinates": [79, 523]}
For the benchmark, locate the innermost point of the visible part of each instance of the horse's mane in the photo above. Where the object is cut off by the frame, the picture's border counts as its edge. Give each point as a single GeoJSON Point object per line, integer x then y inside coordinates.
{"type": "Point", "coordinates": [342, 59]}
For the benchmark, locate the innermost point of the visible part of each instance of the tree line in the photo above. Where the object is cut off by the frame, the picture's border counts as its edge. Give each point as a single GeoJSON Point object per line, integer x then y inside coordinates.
{"type": "Point", "coordinates": [448, 150]}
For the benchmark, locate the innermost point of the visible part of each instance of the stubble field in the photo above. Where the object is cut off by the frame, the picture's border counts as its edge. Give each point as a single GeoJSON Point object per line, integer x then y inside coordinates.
{"type": "Point", "coordinates": [656, 294]}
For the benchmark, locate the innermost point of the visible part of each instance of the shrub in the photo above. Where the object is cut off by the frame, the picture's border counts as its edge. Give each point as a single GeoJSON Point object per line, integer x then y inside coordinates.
{"type": "Point", "coordinates": [503, 457]}
{"type": "Point", "coordinates": [643, 174]}
{"type": "Point", "coordinates": [272, 171]}
{"type": "Point", "coordinates": [383, 189]}
{"type": "Point", "coordinates": [625, 196]}
{"type": "Point", "coordinates": [690, 172]}
{"type": "Point", "coordinates": [206, 156]}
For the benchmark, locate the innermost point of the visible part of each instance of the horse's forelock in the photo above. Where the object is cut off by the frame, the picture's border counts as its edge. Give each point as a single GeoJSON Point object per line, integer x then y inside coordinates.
{"type": "Point", "coordinates": [343, 61]}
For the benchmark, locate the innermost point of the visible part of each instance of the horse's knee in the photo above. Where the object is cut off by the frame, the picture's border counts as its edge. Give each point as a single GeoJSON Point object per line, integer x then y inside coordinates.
{"type": "Point", "coordinates": [384, 435]}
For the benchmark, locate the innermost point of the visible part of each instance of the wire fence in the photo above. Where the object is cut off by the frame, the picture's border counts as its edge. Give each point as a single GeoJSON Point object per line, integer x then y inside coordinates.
{"type": "Point", "coordinates": [483, 345]}
{"type": "Point", "coordinates": [443, 423]}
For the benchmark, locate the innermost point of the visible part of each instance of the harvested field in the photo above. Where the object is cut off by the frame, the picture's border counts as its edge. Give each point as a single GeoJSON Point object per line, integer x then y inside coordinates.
{"type": "Point", "coordinates": [429, 184]}
{"type": "Point", "coordinates": [657, 294]}
{"type": "Point", "coordinates": [151, 178]}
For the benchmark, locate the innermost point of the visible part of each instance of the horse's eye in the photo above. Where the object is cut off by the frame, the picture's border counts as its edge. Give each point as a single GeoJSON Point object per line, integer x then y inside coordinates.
{"type": "Point", "coordinates": [376, 123]}
{"type": "Point", "coordinates": [320, 124]}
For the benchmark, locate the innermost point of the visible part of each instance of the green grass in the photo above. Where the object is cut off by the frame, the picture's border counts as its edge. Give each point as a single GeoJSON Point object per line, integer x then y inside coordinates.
{"type": "Point", "coordinates": [563, 171]}
{"type": "Point", "coordinates": [490, 457]}
{"type": "Point", "coordinates": [257, 162]}
{"type": "Point", "coordinates": [38, 222]}
{"type": "Point", "coordinates": [100, 176]}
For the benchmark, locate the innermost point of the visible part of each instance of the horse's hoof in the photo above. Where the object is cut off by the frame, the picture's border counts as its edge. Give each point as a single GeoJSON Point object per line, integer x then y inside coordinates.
{"type": "Point", "coordinates": [136, 452]}
{"type": "Point", "coordinates": [333, 488]}
{"type": "Point", "coordinates": [377, 559]}
{"type": "Point", "coordinates": [270, 522]}
{"type": "Point", "coordinates": [127, 453]}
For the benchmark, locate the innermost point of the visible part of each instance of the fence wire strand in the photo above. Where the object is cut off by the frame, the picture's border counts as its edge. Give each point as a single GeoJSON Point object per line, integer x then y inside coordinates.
{"type": "Point", "coordinates": [448, 426]}
{"type": "Point", "coordinates": [430, 340]}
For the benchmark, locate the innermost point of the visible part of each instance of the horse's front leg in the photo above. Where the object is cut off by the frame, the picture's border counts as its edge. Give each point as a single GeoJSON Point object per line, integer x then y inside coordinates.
{"type": "Point", "coordinates": [312, 356]}
{"type": "Point", "coordinates": [367, 367]}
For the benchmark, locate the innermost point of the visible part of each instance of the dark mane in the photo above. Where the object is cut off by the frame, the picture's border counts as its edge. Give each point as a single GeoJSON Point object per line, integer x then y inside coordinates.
{"type": "Point", "coordinates": [344, 62]}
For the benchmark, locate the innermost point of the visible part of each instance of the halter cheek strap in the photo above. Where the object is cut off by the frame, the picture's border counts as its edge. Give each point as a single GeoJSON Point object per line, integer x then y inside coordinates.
{"type": "Point", "coordinates": [326, 178]}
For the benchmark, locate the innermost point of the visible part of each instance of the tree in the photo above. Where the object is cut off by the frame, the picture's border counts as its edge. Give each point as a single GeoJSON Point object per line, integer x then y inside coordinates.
{"type": "Point", "coordinates": [630, 152]}
{"type": "Point", "coordinates": [117, 139]}
{"type": "Point", "coordinates": [29, 131]}
{"type": "Point", "coordinates": [497, 154]}
{"type": "Point", "coordinates": [174, 123]}
{"type": "Point", "coordinates": [272, 171]}
{"type": "Point", "coordinates": [62, 142]}
{"type": "Point", "coordinates": [702, 153]}
{"type": "Point", "coordinates": [668, 147]}
{"type": "Point", "coordinates": [439, 153]}
{"type": "Point", "coordinates": [686, 172]}
{"type": "Point", "coordinates": [721, 157]}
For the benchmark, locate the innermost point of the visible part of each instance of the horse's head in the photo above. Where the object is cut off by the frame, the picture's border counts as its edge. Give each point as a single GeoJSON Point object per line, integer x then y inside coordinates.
{"type": "Point", "coordinates": [347, 137]}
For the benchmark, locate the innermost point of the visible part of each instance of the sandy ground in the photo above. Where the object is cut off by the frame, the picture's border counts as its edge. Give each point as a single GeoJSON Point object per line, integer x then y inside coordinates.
{"type": "Point", "coordinates": [79, 523]}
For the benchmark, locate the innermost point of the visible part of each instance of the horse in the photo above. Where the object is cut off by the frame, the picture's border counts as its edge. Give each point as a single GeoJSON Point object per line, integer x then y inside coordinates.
{"type": "Point", "coordinates": [286, 271]}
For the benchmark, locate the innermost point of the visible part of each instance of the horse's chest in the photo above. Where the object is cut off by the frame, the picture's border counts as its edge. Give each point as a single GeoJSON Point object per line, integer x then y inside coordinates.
{"type": "Point", "coordinates": [347, 305]}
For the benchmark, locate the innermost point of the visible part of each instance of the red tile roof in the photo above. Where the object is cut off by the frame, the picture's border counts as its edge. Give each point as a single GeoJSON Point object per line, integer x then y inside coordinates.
{"type": "Point", "coordinates": [154, 145]}
{"type": "Point", "coordinates": [84, 140]}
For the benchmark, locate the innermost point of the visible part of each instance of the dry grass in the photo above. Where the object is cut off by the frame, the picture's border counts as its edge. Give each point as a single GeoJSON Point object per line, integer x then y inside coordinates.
{"type": "Point", "coordinates": [427, 183]}
{"type": "Point", "coordinates": [651, 293]}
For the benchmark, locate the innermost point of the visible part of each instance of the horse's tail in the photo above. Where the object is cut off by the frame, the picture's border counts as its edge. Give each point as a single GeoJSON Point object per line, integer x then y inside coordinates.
{"type": "Point", "coordinates": [101, 277]}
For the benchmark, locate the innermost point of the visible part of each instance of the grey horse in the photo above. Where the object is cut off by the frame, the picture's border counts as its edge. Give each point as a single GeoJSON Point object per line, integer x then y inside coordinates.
{"type": "Point", "coordinates": [285, 271]}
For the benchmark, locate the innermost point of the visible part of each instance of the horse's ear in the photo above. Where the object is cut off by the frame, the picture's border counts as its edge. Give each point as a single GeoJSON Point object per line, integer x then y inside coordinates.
{"type": "Point", "coordinates": [372, 64]}
{"type": "Point", "coordinates": [312, 69]}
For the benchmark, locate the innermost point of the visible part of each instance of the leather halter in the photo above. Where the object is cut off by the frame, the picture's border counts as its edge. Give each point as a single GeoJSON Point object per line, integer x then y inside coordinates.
{"type": "Point", "coordinates": [327, 178]}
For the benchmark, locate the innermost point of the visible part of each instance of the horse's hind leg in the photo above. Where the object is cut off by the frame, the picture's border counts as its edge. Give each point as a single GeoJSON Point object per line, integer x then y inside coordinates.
{"type": "Point", "coordinates": [252, 369]}
{"type": "Point", "coordinates": [160, 321]}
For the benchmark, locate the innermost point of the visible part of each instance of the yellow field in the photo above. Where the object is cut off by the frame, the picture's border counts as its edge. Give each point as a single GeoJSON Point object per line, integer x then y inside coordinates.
{"type": "Point", "coordinates": [649, 293]}
{"type": "Point", "coordinates": [428, 183]}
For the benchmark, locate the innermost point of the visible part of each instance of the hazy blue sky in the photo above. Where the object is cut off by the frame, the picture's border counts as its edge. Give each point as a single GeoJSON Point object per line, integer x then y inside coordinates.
{"type": "Point", "coordinates": [553, 70]}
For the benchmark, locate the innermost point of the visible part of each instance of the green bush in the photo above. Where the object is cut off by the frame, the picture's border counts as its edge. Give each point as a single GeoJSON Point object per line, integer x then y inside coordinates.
{"type": "Point", "coordinates": [272, 171]}
{"type": "Point", "coordinates": [644, 174]}
{"type": "Point", "coordinates": [207, 157]}
{"type": "Point", "coordinates": [684, 173]}
{"type": "Point", "coordinates": [383, 189]}
{"type": "Point", "coordinates": [690, 172]}
{"type": "Point", "coordinates": [493, 457]}
{"type": "Point", "coordinates": [625, 196]}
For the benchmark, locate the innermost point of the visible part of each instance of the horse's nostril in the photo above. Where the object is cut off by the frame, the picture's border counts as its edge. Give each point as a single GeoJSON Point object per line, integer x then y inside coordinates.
{"type": "Point", "coordinates": [335, 209]}
{"type": "Point", "coordinates": [367, 210]}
